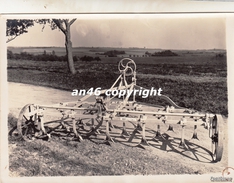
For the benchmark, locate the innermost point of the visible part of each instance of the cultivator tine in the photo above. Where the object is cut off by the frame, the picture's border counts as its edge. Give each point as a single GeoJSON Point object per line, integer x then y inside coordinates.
{"type": "Point", "coordinates": [112, 126]}
{"type": "Point", "coordinates": [77, 135]}
{"type": "Point", "coordinates": [143, 142]}
{"type": "Point", "coordinates": [158, 134]}
{"type": "Point", "coordinates": [108, 139]}
{"type": "Point", "coordinates": [93, 130]}
{"type": "Point", "coordinates": [124, 131]}
{"type": "Point", "coordinates": [41, 123]}
{"type": "Point", "coordinates": [182, 142]}
{"type": "Point", "coordinates": [81, 124]}
{"type": "Point", "coordinates": [170, 128]}
{"type": "Point", "coordinates": [138, 126]}
{"type": "Point", "coordinates": [132, 135]}
{"type": "Point", "coordinates": [195, 133]}
{"type": "Point", "coordinates": [64, 126]}
{"type": "Point", "coordinates": [164, 119]}
{"type": "Point", "coordinates": [41, 126]}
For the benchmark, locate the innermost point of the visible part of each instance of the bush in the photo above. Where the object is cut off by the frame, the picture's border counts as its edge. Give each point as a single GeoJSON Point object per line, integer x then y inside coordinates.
{"type": "Point", "coordinates": [41, 57]}
{"type": "Point", "coordinates": [97, 59]}
{"type": "Point", "coordinates": [86, 58]}
{"type": "Point", "coordinates": [10, 54]}
{"type": "Point", "coordinates": [114, 53]}
{"type": "Point", "coordinates": [165, 53]}
{"type": "Point", "coordinates": [75, 59]}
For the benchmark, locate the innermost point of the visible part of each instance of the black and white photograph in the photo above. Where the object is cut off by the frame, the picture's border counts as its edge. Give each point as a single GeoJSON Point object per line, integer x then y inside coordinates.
{"type": "Point", "coordinates": [117, 95]}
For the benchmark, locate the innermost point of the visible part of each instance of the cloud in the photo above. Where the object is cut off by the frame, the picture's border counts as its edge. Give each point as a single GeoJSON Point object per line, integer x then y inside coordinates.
{"type": "Point", "coordinates": [82, 29]}
{"type": "Point", "coordinates": [104, 30]}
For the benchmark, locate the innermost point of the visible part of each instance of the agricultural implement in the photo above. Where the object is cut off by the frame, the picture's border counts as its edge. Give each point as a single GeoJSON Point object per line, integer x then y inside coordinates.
{"type": "Point", "coordinates": [94, 116]}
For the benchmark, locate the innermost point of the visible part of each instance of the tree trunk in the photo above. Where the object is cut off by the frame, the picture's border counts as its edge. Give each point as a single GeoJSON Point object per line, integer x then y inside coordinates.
{"type": "Point", "coordinates": [68, 45]}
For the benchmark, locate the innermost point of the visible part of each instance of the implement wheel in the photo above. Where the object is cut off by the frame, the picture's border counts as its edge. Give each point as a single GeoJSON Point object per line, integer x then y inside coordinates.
{"type": "Point", "coordinates": [26, 122]}
{"type": "Point", "coordinates": [217, 137]}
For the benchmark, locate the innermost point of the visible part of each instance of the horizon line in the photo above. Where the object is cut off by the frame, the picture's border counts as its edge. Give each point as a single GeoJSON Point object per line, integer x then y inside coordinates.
{"type": "Point", "coordinates": [114, 47]}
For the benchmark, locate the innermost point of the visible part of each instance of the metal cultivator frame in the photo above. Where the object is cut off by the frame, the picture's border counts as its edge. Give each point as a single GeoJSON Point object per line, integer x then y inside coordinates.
{"type": "Point", "coordinates": [84, 118]}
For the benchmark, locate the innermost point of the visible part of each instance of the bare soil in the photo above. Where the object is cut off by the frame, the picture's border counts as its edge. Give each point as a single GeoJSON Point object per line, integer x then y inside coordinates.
{"type": "Point", "coordinates": [63, 157]}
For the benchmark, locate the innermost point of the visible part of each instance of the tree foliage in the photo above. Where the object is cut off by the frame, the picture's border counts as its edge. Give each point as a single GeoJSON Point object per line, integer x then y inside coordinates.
{"type": "Point", "coordinates": [16, 27]}
{"type": "Point", "coordinates": [20, 26]}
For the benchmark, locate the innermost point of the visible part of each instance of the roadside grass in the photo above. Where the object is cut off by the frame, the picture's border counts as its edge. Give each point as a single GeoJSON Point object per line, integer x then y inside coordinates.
{"type": "Point", "coordinates": [68, 158]}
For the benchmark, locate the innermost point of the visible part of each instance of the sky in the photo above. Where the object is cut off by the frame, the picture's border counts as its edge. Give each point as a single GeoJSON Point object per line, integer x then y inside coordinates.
{"type": "Point", "coordinates": [171, 31]}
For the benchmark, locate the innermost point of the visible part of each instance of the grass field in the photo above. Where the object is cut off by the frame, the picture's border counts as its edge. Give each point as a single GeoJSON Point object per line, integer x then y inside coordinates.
{"type": "Point", "coordinates": [194, 79]}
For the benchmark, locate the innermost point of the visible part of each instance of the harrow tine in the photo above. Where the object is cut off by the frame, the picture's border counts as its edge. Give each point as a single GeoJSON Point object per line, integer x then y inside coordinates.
{"type": "Point", "coordinates": [143, 142]}
{"type": "Point", "coordinates": [195, 133]}
{"type": "Point", "coordinates": [108, 138]}
{"type": "Point", "coordinates": [64, 126]}
{"type": "Point", "coordinates": [164, 119]}
{"type": "Point", "coordinates": [110, 125]}
{"type": "Point", "coordinates": [41, 123]}
{"type": "Point", "coordinates": [170, 128]}
{"type": "Point", "coordinates": [158, 134]}
{"type": "Point", "coordinates": [138, 127]}
{"type": "Point", "coordinates": [94, 131]}
{"type": "Point", "coordinates": [124, 131]}
{"type": "Point", "coordinates": [182, 142]}
{"type": "Point", "coordinates": [77, 135]}
{"type": "Point", "coordinates": [81, 124]}
{"type": "Point", "coordinates": [132, 135]}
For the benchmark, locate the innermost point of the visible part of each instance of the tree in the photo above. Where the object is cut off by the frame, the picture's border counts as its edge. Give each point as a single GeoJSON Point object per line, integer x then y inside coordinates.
{"type": "Point", "coordinates": [17, 27]}
{"type": "Point", "coordinates": [86, 58]}
{"type": "Point", "coordinates": [64, 25]}
{"type": "Point", "coordinates": [97, 59]}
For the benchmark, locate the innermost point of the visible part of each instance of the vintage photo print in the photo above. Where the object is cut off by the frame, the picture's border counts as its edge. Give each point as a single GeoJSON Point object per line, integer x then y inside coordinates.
{"type": "Point", "coordinates": [133, 97]}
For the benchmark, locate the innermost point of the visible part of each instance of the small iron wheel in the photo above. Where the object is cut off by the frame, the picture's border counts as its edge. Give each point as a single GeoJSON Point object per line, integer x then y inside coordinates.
{"type": "Point", "coordinates": [217, 138]}
{"type": "Point", "coordinates": [26, 122]}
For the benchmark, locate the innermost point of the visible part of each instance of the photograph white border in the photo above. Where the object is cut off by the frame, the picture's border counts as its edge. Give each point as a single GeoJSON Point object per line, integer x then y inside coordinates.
{"type": "Point", "coordinates": [123, 7]}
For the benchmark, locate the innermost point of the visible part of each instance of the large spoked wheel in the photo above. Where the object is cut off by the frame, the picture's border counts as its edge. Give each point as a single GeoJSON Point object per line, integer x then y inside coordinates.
{"type": "Point", "coordinates": [217, 138]}
{"type": "Point", "coordinates": [26, 122]}
{"type": "Point", "coordinates": [128, 66]}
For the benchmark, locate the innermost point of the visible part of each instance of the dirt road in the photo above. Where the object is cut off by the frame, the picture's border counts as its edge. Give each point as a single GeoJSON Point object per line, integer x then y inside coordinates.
{"type": "Point", "coordinates": [22, 94]}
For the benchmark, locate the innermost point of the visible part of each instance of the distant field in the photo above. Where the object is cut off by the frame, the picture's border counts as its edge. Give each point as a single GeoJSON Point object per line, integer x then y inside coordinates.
{"type": "Point", "coordinates": [134, 52]}
{"type": "Point", "coordinates": [188, 58]}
